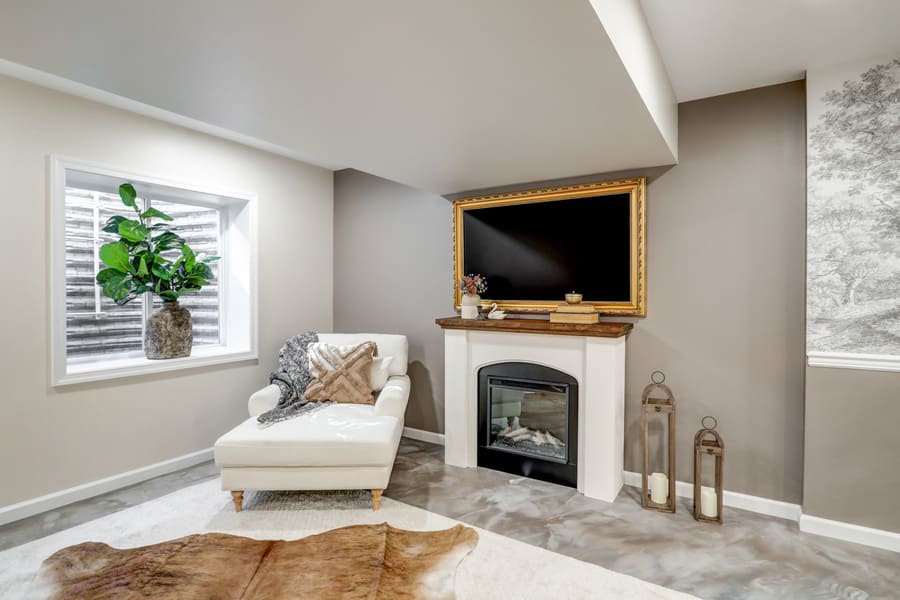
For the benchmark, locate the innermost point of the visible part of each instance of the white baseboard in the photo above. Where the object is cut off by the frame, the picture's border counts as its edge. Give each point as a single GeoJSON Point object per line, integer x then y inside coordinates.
{"type": "Point", "coordinates": [763, 506]}
{"type": "Point", "coordinates": [34, 506]}
{"type": "Point", "coordinates": [877, 538]}
{"type": "Point", "coordinates": [423, 436]}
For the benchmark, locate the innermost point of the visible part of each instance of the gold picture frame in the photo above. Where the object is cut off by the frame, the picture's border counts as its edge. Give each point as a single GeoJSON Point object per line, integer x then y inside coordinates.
{"type": "Point", "coordinates": [636, 187]}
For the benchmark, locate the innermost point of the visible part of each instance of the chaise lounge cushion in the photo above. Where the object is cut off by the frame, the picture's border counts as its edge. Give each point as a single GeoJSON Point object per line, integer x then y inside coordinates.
{"type": "Point", "coordinates": [336, 435]}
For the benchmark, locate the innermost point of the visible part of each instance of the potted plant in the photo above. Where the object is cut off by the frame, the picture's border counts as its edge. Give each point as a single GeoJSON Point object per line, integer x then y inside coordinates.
{"type": "Point", "coordinates": [471, 286]}
{"type": "Point", "coordinates": [151, 257]}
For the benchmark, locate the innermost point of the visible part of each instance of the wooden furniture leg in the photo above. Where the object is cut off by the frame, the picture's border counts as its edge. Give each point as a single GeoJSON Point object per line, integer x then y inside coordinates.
{"type": "Point", "coordinates": [376, 499]}
{"type": "Point", "coordinates": [237, 496]}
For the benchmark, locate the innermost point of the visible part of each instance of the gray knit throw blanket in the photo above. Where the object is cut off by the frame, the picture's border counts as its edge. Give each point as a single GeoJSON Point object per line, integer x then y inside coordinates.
{"type": "Point", "coordinates": [292, 379]}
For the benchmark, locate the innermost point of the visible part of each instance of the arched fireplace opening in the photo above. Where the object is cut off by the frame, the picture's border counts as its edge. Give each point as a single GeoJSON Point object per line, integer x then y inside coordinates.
{"type": "Point", "coordinates": [528, 421]}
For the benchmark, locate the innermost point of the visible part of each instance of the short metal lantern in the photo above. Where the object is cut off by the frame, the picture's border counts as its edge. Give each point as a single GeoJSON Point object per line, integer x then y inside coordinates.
{"type": "Point", "coordinates": [658, 489]}
{"type": "Point", "coordinates": [708, 501]}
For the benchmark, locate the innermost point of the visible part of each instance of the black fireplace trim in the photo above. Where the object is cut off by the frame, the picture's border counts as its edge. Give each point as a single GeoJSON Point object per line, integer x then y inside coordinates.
{"type": "Point", "coordinates": [522, 464]}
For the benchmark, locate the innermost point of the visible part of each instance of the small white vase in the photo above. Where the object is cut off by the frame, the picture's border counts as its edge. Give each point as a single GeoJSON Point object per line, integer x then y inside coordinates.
{"type": "Point", "coordinates": [469, 306]}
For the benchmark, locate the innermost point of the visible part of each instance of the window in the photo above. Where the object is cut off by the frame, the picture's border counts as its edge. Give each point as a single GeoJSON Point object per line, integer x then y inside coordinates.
{"type": "Point", "coordinates": [94, 338]}
{"type": "Point", "coordinates": [95, 325]}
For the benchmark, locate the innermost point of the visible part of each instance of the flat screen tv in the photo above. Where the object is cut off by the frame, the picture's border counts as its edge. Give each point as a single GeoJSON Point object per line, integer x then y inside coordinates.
{"type": "Point", "coordinates": [535, 246]}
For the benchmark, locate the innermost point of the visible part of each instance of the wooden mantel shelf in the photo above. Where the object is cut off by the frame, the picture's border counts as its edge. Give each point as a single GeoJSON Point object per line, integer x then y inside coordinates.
{"type": "Point", "coordinates": [605, 330]}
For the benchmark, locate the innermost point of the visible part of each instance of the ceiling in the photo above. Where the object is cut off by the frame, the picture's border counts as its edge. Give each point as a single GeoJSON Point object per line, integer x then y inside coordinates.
{"type": "Point", "coordinates": [713, 47]}
{"type": "Point", "coordinates": [443, 96]}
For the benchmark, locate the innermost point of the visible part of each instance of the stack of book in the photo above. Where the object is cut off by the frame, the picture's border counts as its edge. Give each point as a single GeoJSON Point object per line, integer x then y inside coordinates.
{"type": "Point", "coordinates": [575, 313]}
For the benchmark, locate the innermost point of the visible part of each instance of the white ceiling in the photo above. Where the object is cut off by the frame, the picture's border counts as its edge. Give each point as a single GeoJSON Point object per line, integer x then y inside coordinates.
{"type": "Point", "coordinates": [713, 47]}
{"type": "Point", "coordinates": [441, 95]}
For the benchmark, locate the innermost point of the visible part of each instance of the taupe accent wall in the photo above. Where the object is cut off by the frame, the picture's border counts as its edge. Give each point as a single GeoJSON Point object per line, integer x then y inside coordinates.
{"type": "Point", "coordinates": [56, 438]}
{"type": "Point", "coordinates": [852, 447]}
{"type": "Point", "coordinates": [393, 274]}
{"type": "Point", "coordinates": [726, 267]}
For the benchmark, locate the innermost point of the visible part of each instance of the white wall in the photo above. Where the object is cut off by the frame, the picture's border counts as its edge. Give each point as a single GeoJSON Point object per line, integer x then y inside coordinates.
{"type": "Point", "coordinates": [55, 438]}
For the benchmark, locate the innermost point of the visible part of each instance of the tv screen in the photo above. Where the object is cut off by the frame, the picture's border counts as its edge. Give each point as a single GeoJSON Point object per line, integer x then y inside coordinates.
{"type": "Point", "coordinates": [542, 250]}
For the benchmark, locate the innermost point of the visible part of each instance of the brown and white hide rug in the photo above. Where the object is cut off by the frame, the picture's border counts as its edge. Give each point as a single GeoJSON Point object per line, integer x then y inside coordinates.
{"type": "Point", "coordinates": [360, 561]}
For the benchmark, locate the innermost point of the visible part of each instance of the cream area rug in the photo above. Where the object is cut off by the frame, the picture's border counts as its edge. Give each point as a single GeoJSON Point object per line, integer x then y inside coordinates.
{"type": "Point", "coordinates": [499, 567]}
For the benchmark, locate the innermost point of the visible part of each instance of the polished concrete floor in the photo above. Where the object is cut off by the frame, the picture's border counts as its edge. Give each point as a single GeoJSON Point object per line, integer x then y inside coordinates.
{"type": "Point", "coordinates": [750, 556]}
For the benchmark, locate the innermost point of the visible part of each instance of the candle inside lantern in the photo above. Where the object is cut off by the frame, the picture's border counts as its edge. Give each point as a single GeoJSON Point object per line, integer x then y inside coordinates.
{"type": "Point", "coordinates": [659, 488]}
{"type": "Point", "coordinates": [709, 503]}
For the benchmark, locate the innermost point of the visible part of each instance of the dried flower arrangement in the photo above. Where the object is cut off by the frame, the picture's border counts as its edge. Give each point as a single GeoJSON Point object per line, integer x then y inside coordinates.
{"type": "Point", "coordinates": [473, 284]}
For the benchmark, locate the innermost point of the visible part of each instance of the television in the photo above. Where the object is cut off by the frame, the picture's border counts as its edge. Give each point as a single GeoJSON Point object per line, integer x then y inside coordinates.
{"type": "Point", "coordinates": [535, 246]}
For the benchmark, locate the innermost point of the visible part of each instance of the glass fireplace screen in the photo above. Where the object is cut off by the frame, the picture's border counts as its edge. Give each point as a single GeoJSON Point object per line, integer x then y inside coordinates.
{"type": "Point", "coordinates": [529, 417]}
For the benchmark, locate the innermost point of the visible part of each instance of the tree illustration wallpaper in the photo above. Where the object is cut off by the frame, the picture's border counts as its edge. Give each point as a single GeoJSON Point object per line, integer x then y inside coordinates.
{"type": "Point", "coordinates": [853, 209]}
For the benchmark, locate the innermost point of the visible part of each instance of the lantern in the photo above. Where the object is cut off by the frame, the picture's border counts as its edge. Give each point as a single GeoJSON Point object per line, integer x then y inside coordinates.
{"type": "Point", "coordinates": [708, 501]}
{"type": "Point", "coordinates": [658, 489]}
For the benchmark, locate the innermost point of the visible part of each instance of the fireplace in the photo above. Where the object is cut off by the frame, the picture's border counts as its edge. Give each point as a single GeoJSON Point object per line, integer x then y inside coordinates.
{"type": "Point", "coordinates": [591, 355]}
{"type": "Point", "coordinates": [528, 421]}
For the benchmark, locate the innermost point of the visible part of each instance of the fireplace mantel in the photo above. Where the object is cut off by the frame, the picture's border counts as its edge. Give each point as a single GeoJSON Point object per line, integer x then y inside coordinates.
{"type": "Point", "coordinates": [605, 330]}
{"type": "Point", "coordinates": [594, 355]}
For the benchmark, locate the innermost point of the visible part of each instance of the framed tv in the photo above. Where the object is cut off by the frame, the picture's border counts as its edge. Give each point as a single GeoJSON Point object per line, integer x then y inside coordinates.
{"type": "Point", "coordinates": [534, 246]}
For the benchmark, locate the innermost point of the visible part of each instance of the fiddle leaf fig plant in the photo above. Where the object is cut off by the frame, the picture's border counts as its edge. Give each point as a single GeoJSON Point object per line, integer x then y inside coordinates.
{"type": "Point", "coordinates": [136, 263]}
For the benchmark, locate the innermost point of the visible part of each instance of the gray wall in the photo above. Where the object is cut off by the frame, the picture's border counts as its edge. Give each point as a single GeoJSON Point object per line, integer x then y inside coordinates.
{"type": "Point", "coordinates": [852, 446]}
{"type": "Point", "coordinates": [725, 283]}
{"type": "Point", "coordinates": [56, 438]}
{"type": "Point", "coordinates": [393, 274]}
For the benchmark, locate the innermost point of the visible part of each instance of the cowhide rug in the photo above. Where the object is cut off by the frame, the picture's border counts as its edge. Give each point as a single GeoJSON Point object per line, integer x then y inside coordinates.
{"type": "Point", "coordinates": [361, 561]}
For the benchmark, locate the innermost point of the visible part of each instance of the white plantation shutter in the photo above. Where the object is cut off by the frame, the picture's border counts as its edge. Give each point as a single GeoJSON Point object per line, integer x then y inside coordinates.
{"type": "Point", "coordinates": [95, 325]}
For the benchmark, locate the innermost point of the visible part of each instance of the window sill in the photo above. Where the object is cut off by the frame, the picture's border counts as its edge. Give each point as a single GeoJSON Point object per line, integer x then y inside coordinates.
{"type": "Point", "coordinates": [866, 362]}
{"type": "Point", "coordinates": [116, 368]}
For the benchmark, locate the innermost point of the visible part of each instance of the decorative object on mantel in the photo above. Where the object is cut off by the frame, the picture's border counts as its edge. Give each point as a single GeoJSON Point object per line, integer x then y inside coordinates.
{"type": "Point", "coordinates": [471, 286]}
{"type": "Point", "coordinates": [708, 501]}
{"type": "Point", "coordinates": [153, 259]}
{"type": "Point", "coordinates": [658, 489]}
{"type": "Point", "coordinates": [574, 312]}
{"type": "Point", "coordinates": [495, 313]}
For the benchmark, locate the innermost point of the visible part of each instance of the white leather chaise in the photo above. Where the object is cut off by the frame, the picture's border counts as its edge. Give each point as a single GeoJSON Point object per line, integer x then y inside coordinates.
{"type": "Point", "coordinates": [340, 446]}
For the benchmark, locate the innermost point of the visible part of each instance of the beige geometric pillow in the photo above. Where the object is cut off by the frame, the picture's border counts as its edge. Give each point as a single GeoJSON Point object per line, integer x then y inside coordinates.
{"type": "Point", "coordinates": [340, 373]}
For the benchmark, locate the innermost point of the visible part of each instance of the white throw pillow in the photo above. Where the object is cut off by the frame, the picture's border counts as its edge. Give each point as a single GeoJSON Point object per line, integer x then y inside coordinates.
{"type": "Point", "coordinates": [378, 373]}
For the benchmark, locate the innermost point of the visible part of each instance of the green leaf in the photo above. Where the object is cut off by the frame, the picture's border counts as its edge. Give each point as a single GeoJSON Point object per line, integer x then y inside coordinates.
{"type": "Point", "coordinates": [128, 194]}
{"type": "Point", "coordinates": [189, 257]}
{"type": "Point", "coordinates": [202, 270]}
{"type": "Point", "coordinates": [211, 259]}
{"type": "Point", "coordinates": [112, 224]}
{"type": "Point", "coordinates": [126, 299]}
{"type": "Point", "coordinates": [161, 271]}
{"type": "Point", "coordinates": [152, 213]}
{"type": "Point", "coordinates": [142, 270]}
{"type": "Point", "coordinates": [133, 231]}
{"type": "Point", "coordinates": [169, 296]}
{"type": "Point", "coordinates": [168, 241]}
{"type": "Point", "coordinates": [115, 256]}
{"type": "Point", "coordinates": [117, 287]}
{"type": "Point", "coordinates": [106, 274]}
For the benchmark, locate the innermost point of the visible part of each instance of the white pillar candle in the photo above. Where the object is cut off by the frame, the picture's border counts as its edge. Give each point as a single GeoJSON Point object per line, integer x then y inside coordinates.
{"type": "Point", "coordinates": [659, 488]}
{"type": "Point", "coordinates": [709, 503]}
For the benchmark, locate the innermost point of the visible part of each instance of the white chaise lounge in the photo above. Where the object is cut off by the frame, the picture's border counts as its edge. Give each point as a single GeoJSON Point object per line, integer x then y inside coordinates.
{"type": "Point", "coordinates": [340, 446]}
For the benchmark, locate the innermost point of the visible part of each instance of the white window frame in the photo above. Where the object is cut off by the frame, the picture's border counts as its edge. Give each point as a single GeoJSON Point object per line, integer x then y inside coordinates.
{"type": "Point", "coordinates": [238, 316]}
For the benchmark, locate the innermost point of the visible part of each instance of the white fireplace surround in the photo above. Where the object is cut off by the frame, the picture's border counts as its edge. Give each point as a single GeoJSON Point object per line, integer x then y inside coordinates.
{"type": "Point", "coordinates": [596, 363]}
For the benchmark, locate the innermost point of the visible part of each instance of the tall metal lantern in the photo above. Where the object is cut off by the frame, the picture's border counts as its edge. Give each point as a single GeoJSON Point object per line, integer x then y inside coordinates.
{"type": "Point", "coordinates": [708, 501]}
{"type": "Point", "coordinates": [658, 489]}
